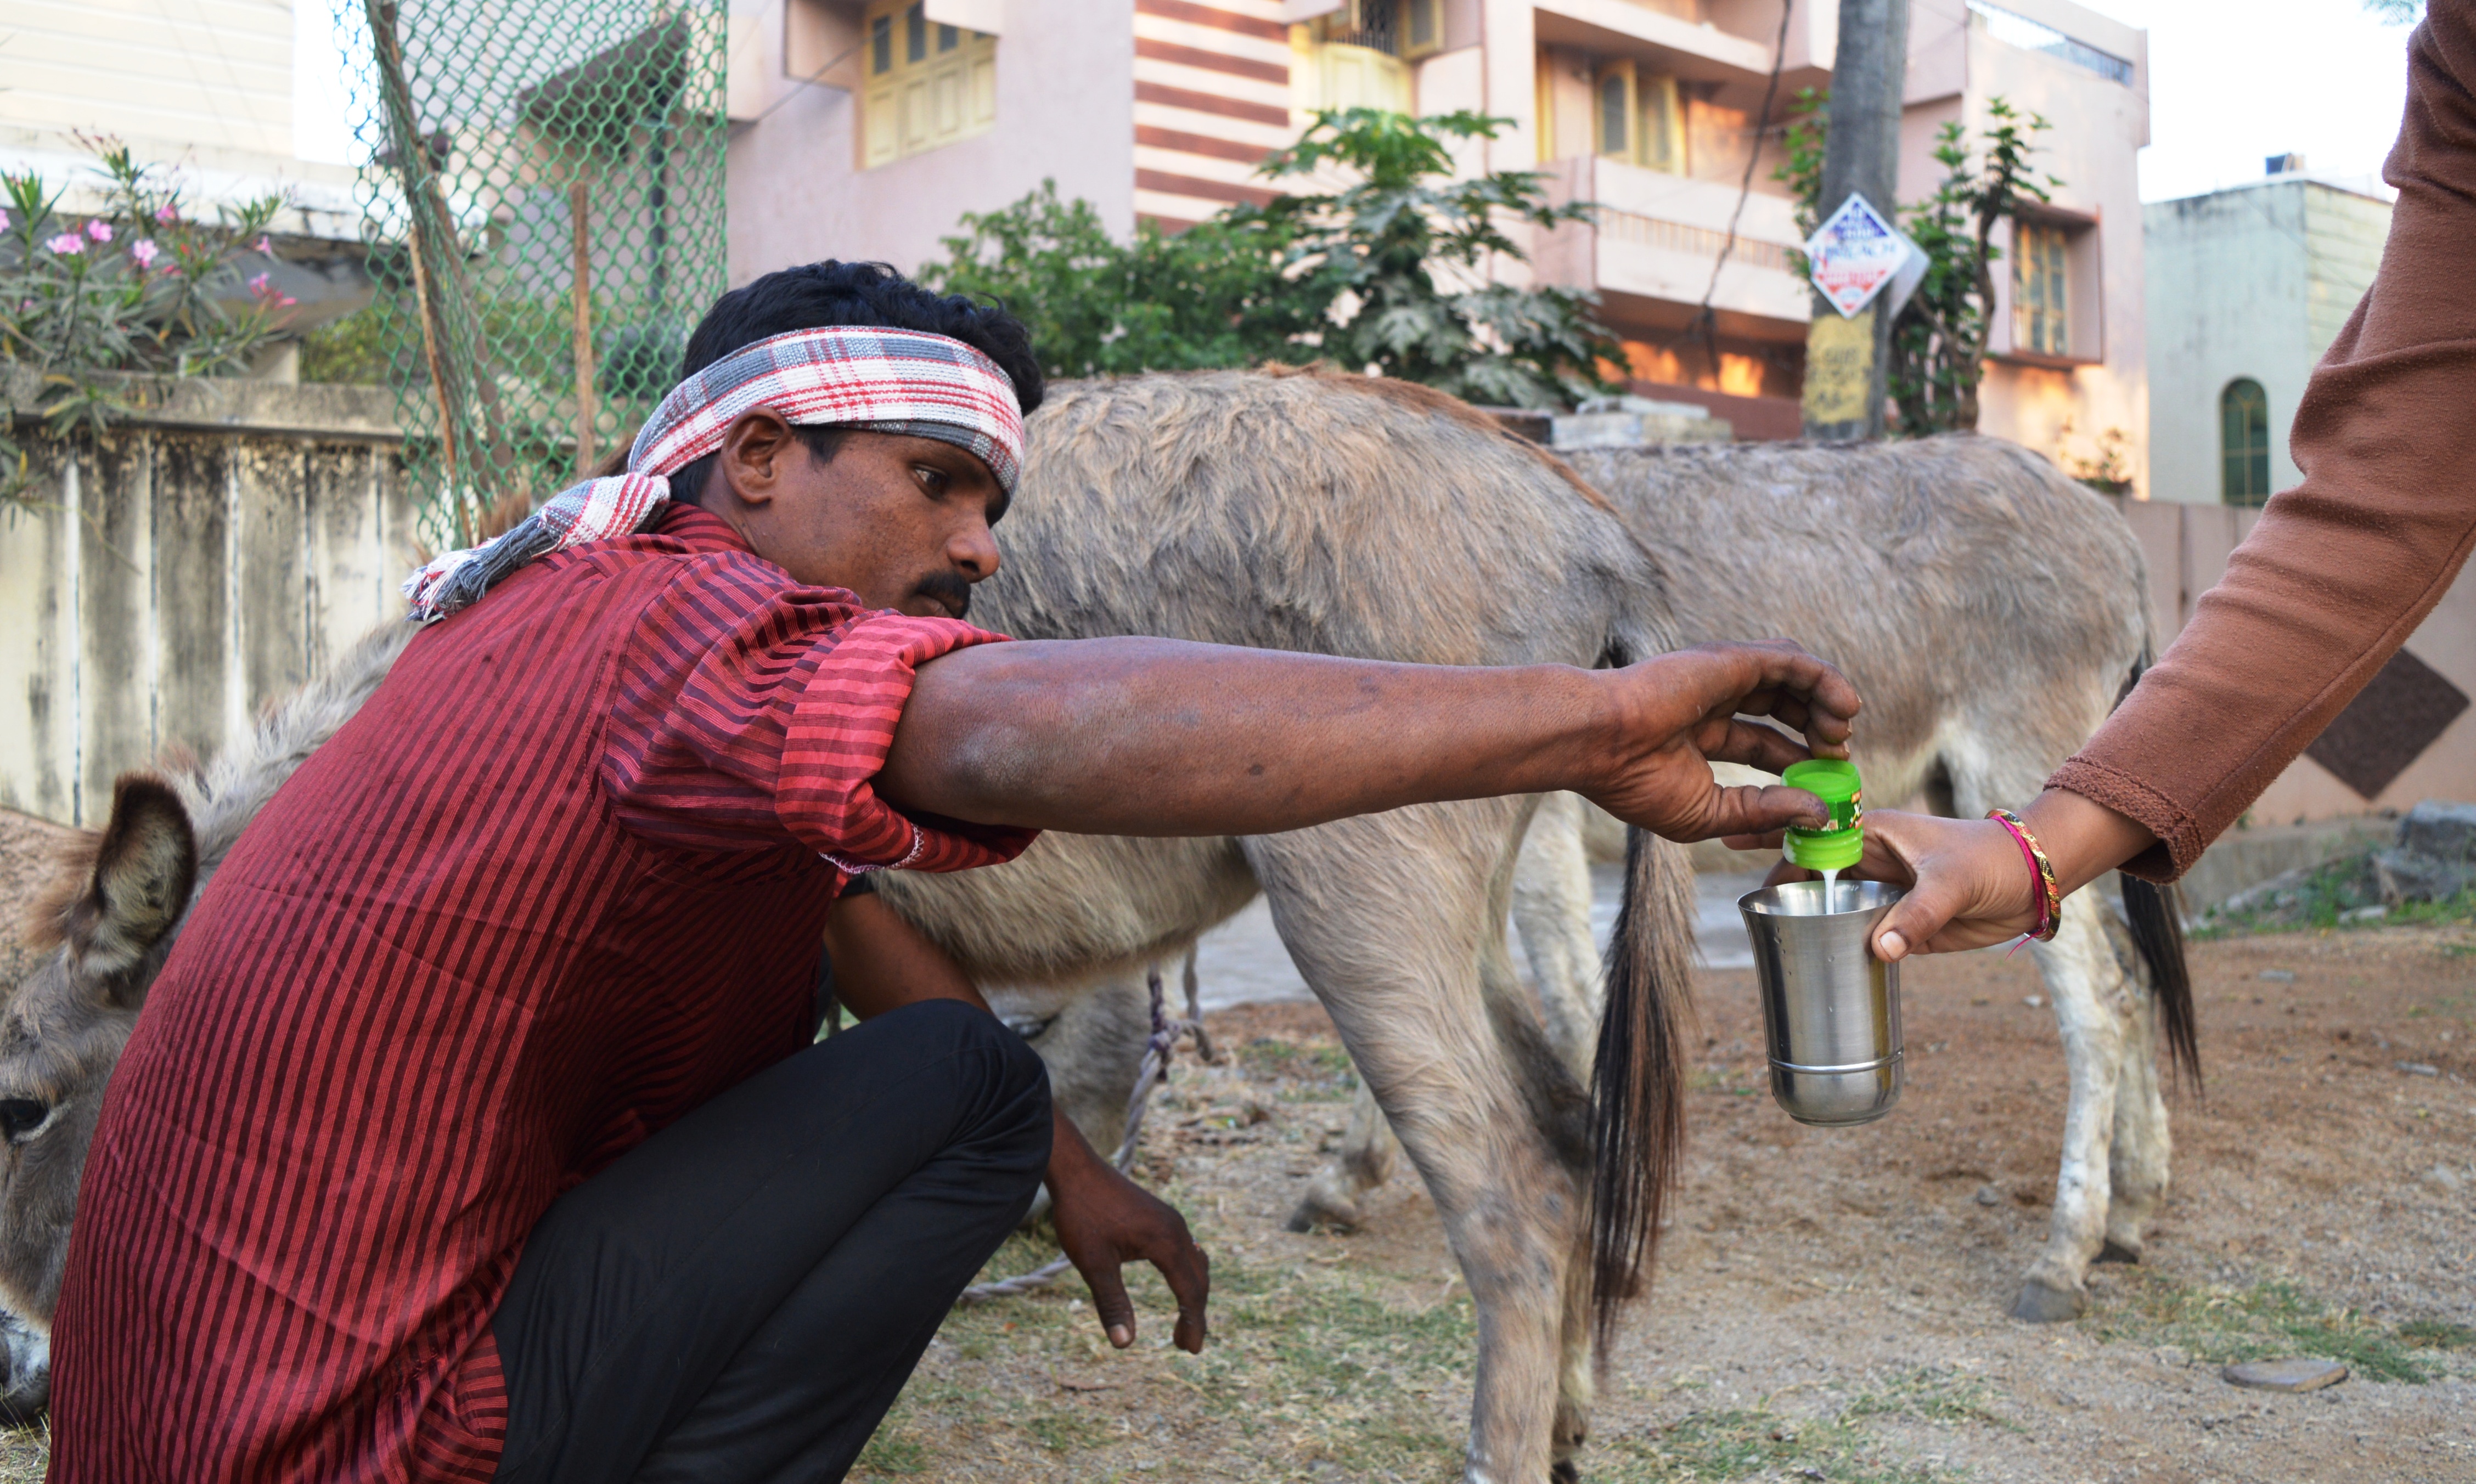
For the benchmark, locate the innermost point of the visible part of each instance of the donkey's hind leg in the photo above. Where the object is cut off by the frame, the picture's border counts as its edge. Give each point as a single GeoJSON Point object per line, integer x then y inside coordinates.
{"type": "Point", "coordinates": [1336, 1194]}
{"type": "Point", "coordinates": [1551, 906]}
{"type": "Point", "coordinates": [1389, 919]}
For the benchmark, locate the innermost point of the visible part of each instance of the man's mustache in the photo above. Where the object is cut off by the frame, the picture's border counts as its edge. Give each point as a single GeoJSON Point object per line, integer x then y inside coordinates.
{"type": "Point", "coordinates": [947, 589]}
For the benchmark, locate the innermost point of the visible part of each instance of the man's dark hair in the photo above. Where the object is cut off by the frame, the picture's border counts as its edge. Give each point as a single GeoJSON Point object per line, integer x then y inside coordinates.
{"type": "Point", "coordinates": [818, 294]}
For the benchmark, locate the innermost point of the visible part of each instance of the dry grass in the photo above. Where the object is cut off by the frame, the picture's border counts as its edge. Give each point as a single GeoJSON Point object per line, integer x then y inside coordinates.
{"type": "Point", "coordinates": [1333, 1357]}
{"type": "Point", "coordinates": [25, 1453]}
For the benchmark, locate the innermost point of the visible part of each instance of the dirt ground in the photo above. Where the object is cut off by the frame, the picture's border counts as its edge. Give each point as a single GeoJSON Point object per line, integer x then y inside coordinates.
{"type": "Point", "coordinates": [1830, 1304]}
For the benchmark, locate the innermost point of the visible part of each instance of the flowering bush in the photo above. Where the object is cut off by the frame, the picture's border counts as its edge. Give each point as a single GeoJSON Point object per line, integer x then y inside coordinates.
{"type": "Point", "coordinates": [140, 286]}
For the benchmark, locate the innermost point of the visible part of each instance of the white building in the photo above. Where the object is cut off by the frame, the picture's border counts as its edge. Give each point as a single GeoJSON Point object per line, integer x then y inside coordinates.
{"type": "Point", "coordinates": [2247, 288]}
{"type": "Point", "coordinates": [209, 86]}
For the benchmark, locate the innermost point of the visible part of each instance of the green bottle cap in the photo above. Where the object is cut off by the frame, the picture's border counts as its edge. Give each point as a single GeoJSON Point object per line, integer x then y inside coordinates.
{"type": "Point", "coordinates": [1838, 845]}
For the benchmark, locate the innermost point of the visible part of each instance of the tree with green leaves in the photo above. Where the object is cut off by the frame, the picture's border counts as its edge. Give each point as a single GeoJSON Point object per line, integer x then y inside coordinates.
{"type": "Point", "coordinates": [1392, 271]}
{"type": "Point", "coordinates": [1404, 255]}
{"type": "Point", "coordinates": [1214, 295]}
{"type": "Point", "coordinates": [1938, 340]}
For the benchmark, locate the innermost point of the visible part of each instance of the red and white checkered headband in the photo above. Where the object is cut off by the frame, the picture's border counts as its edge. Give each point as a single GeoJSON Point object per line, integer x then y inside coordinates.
{"type": "Point", "coordinates": [884, 380]}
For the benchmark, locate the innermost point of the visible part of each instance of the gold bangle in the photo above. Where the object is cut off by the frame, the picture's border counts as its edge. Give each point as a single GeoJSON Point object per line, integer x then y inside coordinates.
{"type": "Point", "coordinates": [2050, 899]}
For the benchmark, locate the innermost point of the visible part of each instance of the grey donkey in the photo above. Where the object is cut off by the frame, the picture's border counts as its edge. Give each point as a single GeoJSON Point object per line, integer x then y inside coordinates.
{"type": "Point", "coordinates": [1382, 520]}
{"type": "Point", "coordinates": [108, 924]}
{"type": "Point", "coordinates": [1295, 511]}
{"type": "Point", "coordinates": [1990, 613]}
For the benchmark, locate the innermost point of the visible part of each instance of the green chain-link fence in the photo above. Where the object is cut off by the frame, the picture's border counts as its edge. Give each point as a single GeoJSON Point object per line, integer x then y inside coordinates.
{"type": "Point", "coordinates": [543, 208]}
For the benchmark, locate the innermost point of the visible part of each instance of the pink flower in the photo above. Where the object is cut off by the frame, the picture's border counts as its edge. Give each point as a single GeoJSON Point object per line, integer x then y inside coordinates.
{"type": "Point", "coordinates": [165, 213]}
{"type": "Point", "coordinates": [145, 252]}
{"type": "Point", "coordinates": [100, 230]}
{"type": "Point", "coordinates": [68, 244]}
{"type": "Point", "coordinates": [257, 285]}
{"type": "Point", "coordinates": [265, 246]}
{"type": "Point", "coordinates": [4, 220]}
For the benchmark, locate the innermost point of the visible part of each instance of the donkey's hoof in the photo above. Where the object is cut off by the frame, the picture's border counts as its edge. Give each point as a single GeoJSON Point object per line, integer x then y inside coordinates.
{"type": "Point", "coordinates": [2042, 1303]}
{"type": "Point", "coordinates": [1564, 1472]}
{"type": "Point", "coordinates": [2118, 1251]}
{"type": "Point", "coordinates": [1316, 1210]}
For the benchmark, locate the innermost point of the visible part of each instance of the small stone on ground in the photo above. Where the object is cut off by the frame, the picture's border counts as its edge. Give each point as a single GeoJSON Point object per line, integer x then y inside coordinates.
{"type": "Point", "coordinates": [2285, 1375]}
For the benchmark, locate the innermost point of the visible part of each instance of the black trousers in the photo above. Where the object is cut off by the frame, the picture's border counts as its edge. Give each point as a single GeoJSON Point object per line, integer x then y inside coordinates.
{"type": "Point", "coordinates": [740, 1298]}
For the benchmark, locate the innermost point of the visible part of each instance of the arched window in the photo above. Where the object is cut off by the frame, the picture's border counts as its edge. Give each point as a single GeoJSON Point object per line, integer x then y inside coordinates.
{"type": "Point", "coordinates": [2243, 442]}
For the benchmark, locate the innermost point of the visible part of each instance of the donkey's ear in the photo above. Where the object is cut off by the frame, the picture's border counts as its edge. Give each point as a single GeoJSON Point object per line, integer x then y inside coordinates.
{"type": "Point", "coordinates": [144, 865]}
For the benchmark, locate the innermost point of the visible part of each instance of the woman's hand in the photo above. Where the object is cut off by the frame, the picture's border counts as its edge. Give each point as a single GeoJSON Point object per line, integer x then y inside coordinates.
{"type": "Point", "coordinates": [1105, 1221]}
{"type": "Point", "coordinates": [1682, 711]}
{"type": "Point", "coordinates": [1971, 884]}
{"type": "Point", "coordinates": [1968, 885]}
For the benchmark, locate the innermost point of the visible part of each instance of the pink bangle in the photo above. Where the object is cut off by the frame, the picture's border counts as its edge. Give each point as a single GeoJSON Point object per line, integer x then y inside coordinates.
{"type": "Point", "coordinates": [2041, 874]}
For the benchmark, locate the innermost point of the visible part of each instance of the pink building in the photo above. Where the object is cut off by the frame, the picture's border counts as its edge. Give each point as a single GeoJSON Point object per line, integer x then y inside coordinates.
{"type": "Point", "coordinates": [863, 128]}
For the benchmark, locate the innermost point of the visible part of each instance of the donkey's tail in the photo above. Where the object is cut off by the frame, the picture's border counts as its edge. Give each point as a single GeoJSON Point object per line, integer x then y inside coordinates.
{"type": "Point", "coordinates": [1638, 1080]}
{"type": "Point", "coordinates": [2154, 914]}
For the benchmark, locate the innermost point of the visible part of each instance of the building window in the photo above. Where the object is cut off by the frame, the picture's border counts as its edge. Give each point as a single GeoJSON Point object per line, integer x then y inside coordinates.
{"type": "Point", "coordinates": [1358, 57]}
{"type": "Point", "coordinates": [928, 92]}
{"type": "Point", "coordinates": [2041, 301]}
{"type": "Point", "coordinates": [1615, 110]}
{"type": "Point", "coordinates": [1425, 26]}
{"type": "Point", "coordinates": [1638, 118]}
{"type": "Point", "coordinates": [2243, 442]}
{"type": "Point", "coordinates": [1663, 125]}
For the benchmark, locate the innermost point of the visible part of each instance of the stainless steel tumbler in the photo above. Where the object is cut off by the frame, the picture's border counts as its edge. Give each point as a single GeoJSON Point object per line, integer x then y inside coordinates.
{"type": "Point", "coordinates": [1831, 1010]}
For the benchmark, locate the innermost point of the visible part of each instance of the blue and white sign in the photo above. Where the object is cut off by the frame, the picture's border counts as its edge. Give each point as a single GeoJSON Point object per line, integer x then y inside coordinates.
{"type": "Point", "coordinates": [1856, 253]}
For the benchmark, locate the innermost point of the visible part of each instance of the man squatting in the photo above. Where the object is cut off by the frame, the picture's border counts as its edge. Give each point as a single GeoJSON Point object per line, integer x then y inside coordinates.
{"type": "Point", "coordinates": [475, 1129]}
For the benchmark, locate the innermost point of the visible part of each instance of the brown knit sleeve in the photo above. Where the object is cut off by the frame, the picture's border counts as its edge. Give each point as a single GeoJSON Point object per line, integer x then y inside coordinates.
{"type": "Point", "coordinates": [2342, 568]}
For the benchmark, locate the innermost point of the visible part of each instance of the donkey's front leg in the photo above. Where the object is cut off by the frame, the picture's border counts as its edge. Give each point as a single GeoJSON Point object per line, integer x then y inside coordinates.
{"type": "Point", "coordinates": [1363, 1162]}
{"type": "Point", "coordinates": [2091, 1004]}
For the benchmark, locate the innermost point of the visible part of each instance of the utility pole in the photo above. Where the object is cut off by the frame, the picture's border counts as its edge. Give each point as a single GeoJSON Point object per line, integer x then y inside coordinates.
{"type": "Point", "coordinates": [1846, 359]}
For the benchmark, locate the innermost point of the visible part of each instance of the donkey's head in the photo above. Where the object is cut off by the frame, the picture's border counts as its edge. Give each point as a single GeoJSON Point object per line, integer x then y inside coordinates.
{"type": "Point", "coordinates": [108, 924]}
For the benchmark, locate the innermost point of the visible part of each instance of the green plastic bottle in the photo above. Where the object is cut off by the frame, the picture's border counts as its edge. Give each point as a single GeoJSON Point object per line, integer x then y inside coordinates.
{"type": "Point", "coordinates": [1836, 784]}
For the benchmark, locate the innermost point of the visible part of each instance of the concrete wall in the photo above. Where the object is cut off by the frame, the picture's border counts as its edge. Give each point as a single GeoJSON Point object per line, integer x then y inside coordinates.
{"type": "Point", "coordinates": [2187, 547]}
{"type": "Point", "coordinates": [184, 571]}
{"type": "Point", "coordinates": [1065, 101]}
{"type": "Point", "coordinates": [2254, 281]}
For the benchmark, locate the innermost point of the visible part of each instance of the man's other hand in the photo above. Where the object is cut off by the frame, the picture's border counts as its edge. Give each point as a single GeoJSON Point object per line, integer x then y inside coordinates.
{"type": "Point", "coordinates": [1105, 1221]}
{"type": "Point", "coordinates": [1680, 712]}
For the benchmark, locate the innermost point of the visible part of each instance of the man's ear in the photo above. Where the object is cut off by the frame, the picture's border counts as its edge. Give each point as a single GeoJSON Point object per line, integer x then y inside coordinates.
{"type": "Point", "coordinates": [755, 454]}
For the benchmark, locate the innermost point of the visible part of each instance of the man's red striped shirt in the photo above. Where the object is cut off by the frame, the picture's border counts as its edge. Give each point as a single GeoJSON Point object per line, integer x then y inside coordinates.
{"type": "Point", "coordinates": [562, 878]}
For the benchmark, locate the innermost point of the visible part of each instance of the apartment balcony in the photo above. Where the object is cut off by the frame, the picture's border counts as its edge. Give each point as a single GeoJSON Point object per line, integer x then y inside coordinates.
{"type": "Point", "coordinates": [1705, 41]}
{"type": "Point", "coordinates": [1649, 252]}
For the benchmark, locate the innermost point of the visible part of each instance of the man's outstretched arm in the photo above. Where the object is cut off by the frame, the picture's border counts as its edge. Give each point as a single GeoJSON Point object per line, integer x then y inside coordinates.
{"type": "Point", "coordinates": [1159, 737]}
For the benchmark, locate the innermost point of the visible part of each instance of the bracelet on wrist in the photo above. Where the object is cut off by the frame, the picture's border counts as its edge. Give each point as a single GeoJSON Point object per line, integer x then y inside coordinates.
{"type": "Point", "coordinates": [2041, 874]}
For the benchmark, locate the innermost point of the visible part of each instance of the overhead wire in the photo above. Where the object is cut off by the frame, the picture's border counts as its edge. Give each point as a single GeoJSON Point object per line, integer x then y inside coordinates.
{"type": "Point", "coordinates": [1706, 321]}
